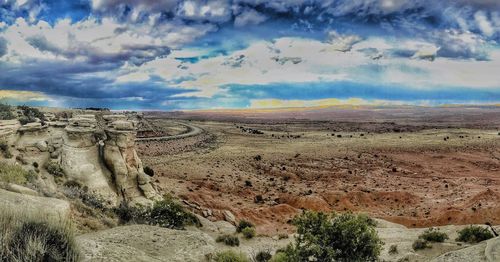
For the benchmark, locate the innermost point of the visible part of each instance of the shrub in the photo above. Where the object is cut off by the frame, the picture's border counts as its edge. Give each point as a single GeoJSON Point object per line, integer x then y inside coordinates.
{"type": "Point", "coordinates": [149, 171]}
{"type": "Point", "coordinates": [262, 256]}
{"type": "Point", "coordinates": [4, 147]}
{"type": "Point", "coordinates": [170, 214]}
{"type": "Point", "coordinates": [88, 198]}
{"type": "Point", "coordinates": [393, 249]}
{"type": "Point", "coordinates": [230, 256]}
{"type": "Point", "coordinates": [28, 237]}
{"type": "Point", "coordinates": [165, 213]}
{"type": "Point", "coordinates": [54, 169]}
{"type": "Point", "coordinates": [242, 225]}
{"type": "Point", "coordinates": [331, 237]}
{"type": "Point", "coordinates": [280, 257]}
{"type": "Point", "coordinates": [229, 240]}
{"type": "Point", "coordinates": [35, 164]}
{"type": "Point", "coordinates": [420, 244]}
{"type": "Point", "coordinates": [30, 114]}
{"type": "Point", "coordinates": [248, 232]}
{"type": "Point", "coordinates": [6, 112]}
{"type": "Point", "coordinates": [14, 174]}
{"type": "Point", "coordinates": [433, 235]}
{"type": "Point", "coordinates": [474, 234]}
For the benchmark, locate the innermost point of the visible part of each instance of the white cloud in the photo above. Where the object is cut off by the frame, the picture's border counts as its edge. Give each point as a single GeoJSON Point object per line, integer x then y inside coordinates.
{"type": "Point", "coordinates": [484, 24]}
{"type": "Point", "coordinates": [249, 17]}
{"type": "Point", "coordinates": [342, 43]}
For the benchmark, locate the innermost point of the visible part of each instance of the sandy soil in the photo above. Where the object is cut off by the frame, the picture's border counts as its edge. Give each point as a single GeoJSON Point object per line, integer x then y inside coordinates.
{"type": "Point", "coordinates": [416, 177]}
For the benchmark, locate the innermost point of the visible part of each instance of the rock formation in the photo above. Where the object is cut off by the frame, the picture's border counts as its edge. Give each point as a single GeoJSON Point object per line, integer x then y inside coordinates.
{"type": "Point", "coordinates": [121, 158]}
{"type": "Point", "coordinates": [81, 160]}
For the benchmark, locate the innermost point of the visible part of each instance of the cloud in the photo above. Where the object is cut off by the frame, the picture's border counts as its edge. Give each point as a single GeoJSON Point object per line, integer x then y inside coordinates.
{"type": "Point", "coordinates": [483, 23]}
{"type": "Point", "coordinates": [342, 43]}
{"type": "Point", "coordinates": [249, 17]}
{"type": "Point", "coordinates": [3, 46]}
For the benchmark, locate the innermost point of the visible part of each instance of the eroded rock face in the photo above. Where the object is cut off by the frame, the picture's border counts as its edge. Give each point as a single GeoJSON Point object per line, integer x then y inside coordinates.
{"type": "Point", "coordinates": [145, 243]}
{"type": "Point", "coordinates": [81, 160]}
{"type": "Point", "coordinates": [121, 158]}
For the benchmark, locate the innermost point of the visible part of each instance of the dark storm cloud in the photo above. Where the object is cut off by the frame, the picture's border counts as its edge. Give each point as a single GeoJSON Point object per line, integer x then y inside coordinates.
{"type": "Point", "coordinates": [3, 46]}
{"type": "Point", "coordinates": [134, 54]}
{"type": "Point", "coordinates": [79, 82]}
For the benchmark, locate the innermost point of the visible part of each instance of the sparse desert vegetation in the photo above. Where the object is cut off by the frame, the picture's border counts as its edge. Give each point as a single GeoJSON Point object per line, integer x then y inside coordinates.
{"type": "Point", "coordinates": [34, 237]}
{"type": "Point", "coordinates": [474, 234]}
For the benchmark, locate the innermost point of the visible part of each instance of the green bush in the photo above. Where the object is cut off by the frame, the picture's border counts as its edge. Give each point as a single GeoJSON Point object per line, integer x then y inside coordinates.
{"type": "Point", "coordinates": [15, 174]}
{"type": "Point", "coordinates": [242, 225]}
{"type": "Point", "coordinates": [262, 256]}
{"type": "Point", "coordinates": [331, 237]}
{"type": "Point", "coordinates": [229, 240]}
{"type": "Point", "coordinates": [6, 112]}
{"type": "Point", "coordinates": [474, 234]}
{"type": "Point", "coordinates": [420, 244]}
{"type": "Point", "coordinates": [54, 169]}
{"type": "Point", "coordinates": [28, 237]}
{"type": "Point", "coordinates": [248, 232]}
{"type": "Point", "coordinates": [433, 235]}
{"type": "Point", "coordinates": [165, 213]}
{"type": "Point", "coordinates": [280, 257]}
{"type": "Point", "coordinates": [230, 256]}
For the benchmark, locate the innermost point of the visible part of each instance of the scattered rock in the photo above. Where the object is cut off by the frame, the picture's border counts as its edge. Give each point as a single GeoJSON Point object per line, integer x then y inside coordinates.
{"type": "Point", "coordinates": [229, 217]}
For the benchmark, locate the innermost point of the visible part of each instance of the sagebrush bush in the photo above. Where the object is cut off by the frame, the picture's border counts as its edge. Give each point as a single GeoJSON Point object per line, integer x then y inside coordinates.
{"type": "Point", "coordinates": [242, 225]}
{"type": "Point", "coordinates": [331, 237]}
{"type": "Point", "coordinates": [91, 199]}
{"type": "Point", "coordinates": [15, 174]}
{"type": "Point", "coordinates": [4, 147]}
{"type": "Point", "coordinates": [420, 244]}
{"type": "Point", "coordinates": [280, 257]}
{"type": "Point", "coordinates": [6, 112]}
{"type": "Point", "coordinates": [54, 169]}
{"type": "Point", "coordinates": [262, 256]}
{"type": "Point", "coordinates": [393, 249]}
{"type": "Point", "coordinates": [474, 234]}
{"type": "Point", "coordinates": [433, 235]}
{"type": "Point", "coordinates": [229, 240]}
{"type": "Point", "coordinates": [230, 256]}
{"type": "Point", "coordinates": [31, 237]}
{"type": "Point", "coordinates": [248, 232]}
{"type": "Point", "coordinates": [165, 213]}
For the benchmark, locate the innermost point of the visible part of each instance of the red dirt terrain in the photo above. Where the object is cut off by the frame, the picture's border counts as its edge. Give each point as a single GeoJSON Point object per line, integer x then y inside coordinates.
{"type": "Point", "coordinates": [441, 172]}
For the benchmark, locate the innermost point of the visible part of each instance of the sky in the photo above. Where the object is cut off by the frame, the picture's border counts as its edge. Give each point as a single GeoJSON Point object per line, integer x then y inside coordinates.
{"type": "Point", "coordinates": [195, 54]}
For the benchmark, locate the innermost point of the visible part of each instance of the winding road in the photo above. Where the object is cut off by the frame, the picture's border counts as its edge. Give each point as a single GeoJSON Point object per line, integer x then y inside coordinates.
{"type": "Point", "coordinates": [192, 131]}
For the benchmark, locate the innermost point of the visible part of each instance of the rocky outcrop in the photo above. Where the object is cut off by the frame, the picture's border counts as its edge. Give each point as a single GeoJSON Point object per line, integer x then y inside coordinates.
{"type": "Point", "coordinates": [81, 160]}
{"type": "Point", "coordinates": [52, 207]}
{"type": "Point", "coordinates": [121, 158]}
{"type": "Point", "coordinates": [145, 243]}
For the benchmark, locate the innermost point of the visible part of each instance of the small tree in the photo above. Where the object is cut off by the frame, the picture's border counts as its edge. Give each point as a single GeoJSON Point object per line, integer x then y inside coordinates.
{"type": "Point", "coordinates": [331, 237]}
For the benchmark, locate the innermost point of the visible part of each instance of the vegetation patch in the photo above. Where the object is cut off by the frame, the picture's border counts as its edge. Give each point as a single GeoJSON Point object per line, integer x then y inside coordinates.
{"type": "Point", "coordinates": [242, 225]}
{"type": "Point", "coordinates": [165, 213]}
{"type": "Point", "coordinates": [248, 232]}
{"type": "Point", "coordinates": [54, 169]}
{"type": "Point", "coordinates": [4, 147]}
{"type": "Point", "coordinates": [474, 234]}
{"type": "Point", "coordinates": [30, 115]}
{"type": "Point", "coordinates": [29, 237]}
{"type": "Point", "coordinates": [230, 256]}
{"type": "Point", "coordinates": [433, 235]}
{"type": "Point", "coordinates": [6, 112]}
{"type": "Point", "coordinates": [262, 256]}
{"type": "Point", "coordinates": [420, 244]}
{"type": "Point", "coordinates": [15, 174]}
{"type": "Point", "coordinates": [228, 240]}
{"type": "Point", "coordinates": [332, 237]}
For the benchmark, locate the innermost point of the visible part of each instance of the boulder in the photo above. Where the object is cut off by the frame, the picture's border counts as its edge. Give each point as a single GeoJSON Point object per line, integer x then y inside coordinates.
{"type": "Point", "coordinates": [229, 217]}
{"type": "Point", "coordinates": [51, 207]}
{"type": "Point", "coordinates": [145, 243]}
{"type": "Point", "coordinates": [123, 125]}
{"type": "Point", "coordinates": [21, 190]}
{"type": "Point", "coordinates": [42, 146]}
